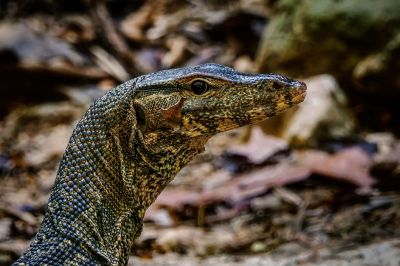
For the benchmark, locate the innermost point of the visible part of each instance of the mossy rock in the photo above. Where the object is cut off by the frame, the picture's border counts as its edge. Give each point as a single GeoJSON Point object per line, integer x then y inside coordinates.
{"type": "Point", "coordinates": [356, 41]}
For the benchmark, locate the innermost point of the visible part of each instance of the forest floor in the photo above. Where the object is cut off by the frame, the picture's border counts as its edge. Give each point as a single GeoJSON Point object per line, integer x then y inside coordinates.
{"type": "Point", "coordinates": [249, 199]}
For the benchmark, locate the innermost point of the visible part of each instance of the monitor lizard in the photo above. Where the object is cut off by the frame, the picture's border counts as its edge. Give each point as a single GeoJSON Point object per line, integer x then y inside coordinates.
{"type": "Point", "coordinates": [131, 143]}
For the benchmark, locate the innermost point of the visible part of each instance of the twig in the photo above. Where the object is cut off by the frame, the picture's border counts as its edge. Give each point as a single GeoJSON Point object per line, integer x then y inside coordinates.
{"type": "Point", "coordinates": [105, 27]}
{"type": "Point", "coordinates": [109, 64]}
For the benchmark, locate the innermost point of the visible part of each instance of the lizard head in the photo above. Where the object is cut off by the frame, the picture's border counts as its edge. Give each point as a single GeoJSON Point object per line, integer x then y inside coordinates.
{"type": "Point", "coordinates": [210, 98]}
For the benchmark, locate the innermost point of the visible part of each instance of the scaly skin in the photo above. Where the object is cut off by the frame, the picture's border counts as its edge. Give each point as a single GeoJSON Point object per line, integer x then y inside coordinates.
{"type": "Point", "coordinates": [131, 143]}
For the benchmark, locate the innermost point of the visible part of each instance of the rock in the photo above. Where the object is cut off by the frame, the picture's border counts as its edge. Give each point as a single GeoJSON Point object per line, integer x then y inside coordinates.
{"type": "Point", "coordinates": [356, 41]}
{"type": "Point", "coordinates": [323, 115]}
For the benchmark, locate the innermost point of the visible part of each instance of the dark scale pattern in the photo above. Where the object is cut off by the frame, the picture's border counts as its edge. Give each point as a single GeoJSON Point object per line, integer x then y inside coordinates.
{"type": "Point", "coordinates": [113, 169]}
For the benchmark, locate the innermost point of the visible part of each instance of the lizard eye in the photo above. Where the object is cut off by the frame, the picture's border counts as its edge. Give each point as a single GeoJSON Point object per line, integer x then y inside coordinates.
{"type": "Point", "coordinates": [199, 87]}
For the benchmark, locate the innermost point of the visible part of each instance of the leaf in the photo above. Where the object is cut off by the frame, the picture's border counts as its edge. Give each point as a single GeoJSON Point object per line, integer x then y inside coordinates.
{"type": "Point", "coordinates": [259, 147]}
{"type": "Point", "coordinates": [351, 165]}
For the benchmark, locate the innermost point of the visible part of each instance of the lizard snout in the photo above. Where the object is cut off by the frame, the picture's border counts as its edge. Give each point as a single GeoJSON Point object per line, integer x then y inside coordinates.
{"type": "Point", "coordinates": [299, 86]}
{"type": "Point", "coordinates": [298, 90]}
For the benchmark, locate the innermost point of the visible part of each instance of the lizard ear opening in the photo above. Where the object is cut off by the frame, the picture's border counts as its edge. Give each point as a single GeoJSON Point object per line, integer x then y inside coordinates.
{"type": "Point", "coordinates": [140, 117]}
{"type": "Point", "coordinates": [173, 114]}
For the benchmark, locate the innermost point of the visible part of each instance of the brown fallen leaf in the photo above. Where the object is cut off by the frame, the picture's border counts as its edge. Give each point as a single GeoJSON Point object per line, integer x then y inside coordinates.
{"type": "Point", "coordinates": [351, 165]}
{"type": "Point", "coordinates": [177, 198]}
{"type": "Point", "coordinates": [236, 192]}
{"type": "Point", "coordinates": [170, 202]}
{"type": "Point", "coordinates": [259, 147]}
{"type": "Point", "coordinates": [255, 183]}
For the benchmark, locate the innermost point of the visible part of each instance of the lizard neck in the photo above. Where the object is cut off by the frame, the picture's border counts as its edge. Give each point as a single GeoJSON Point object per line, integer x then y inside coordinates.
{"type": "Point", "coordinates": [109, 175]}
{"type": "Point", "coordinates": [164, 153]}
